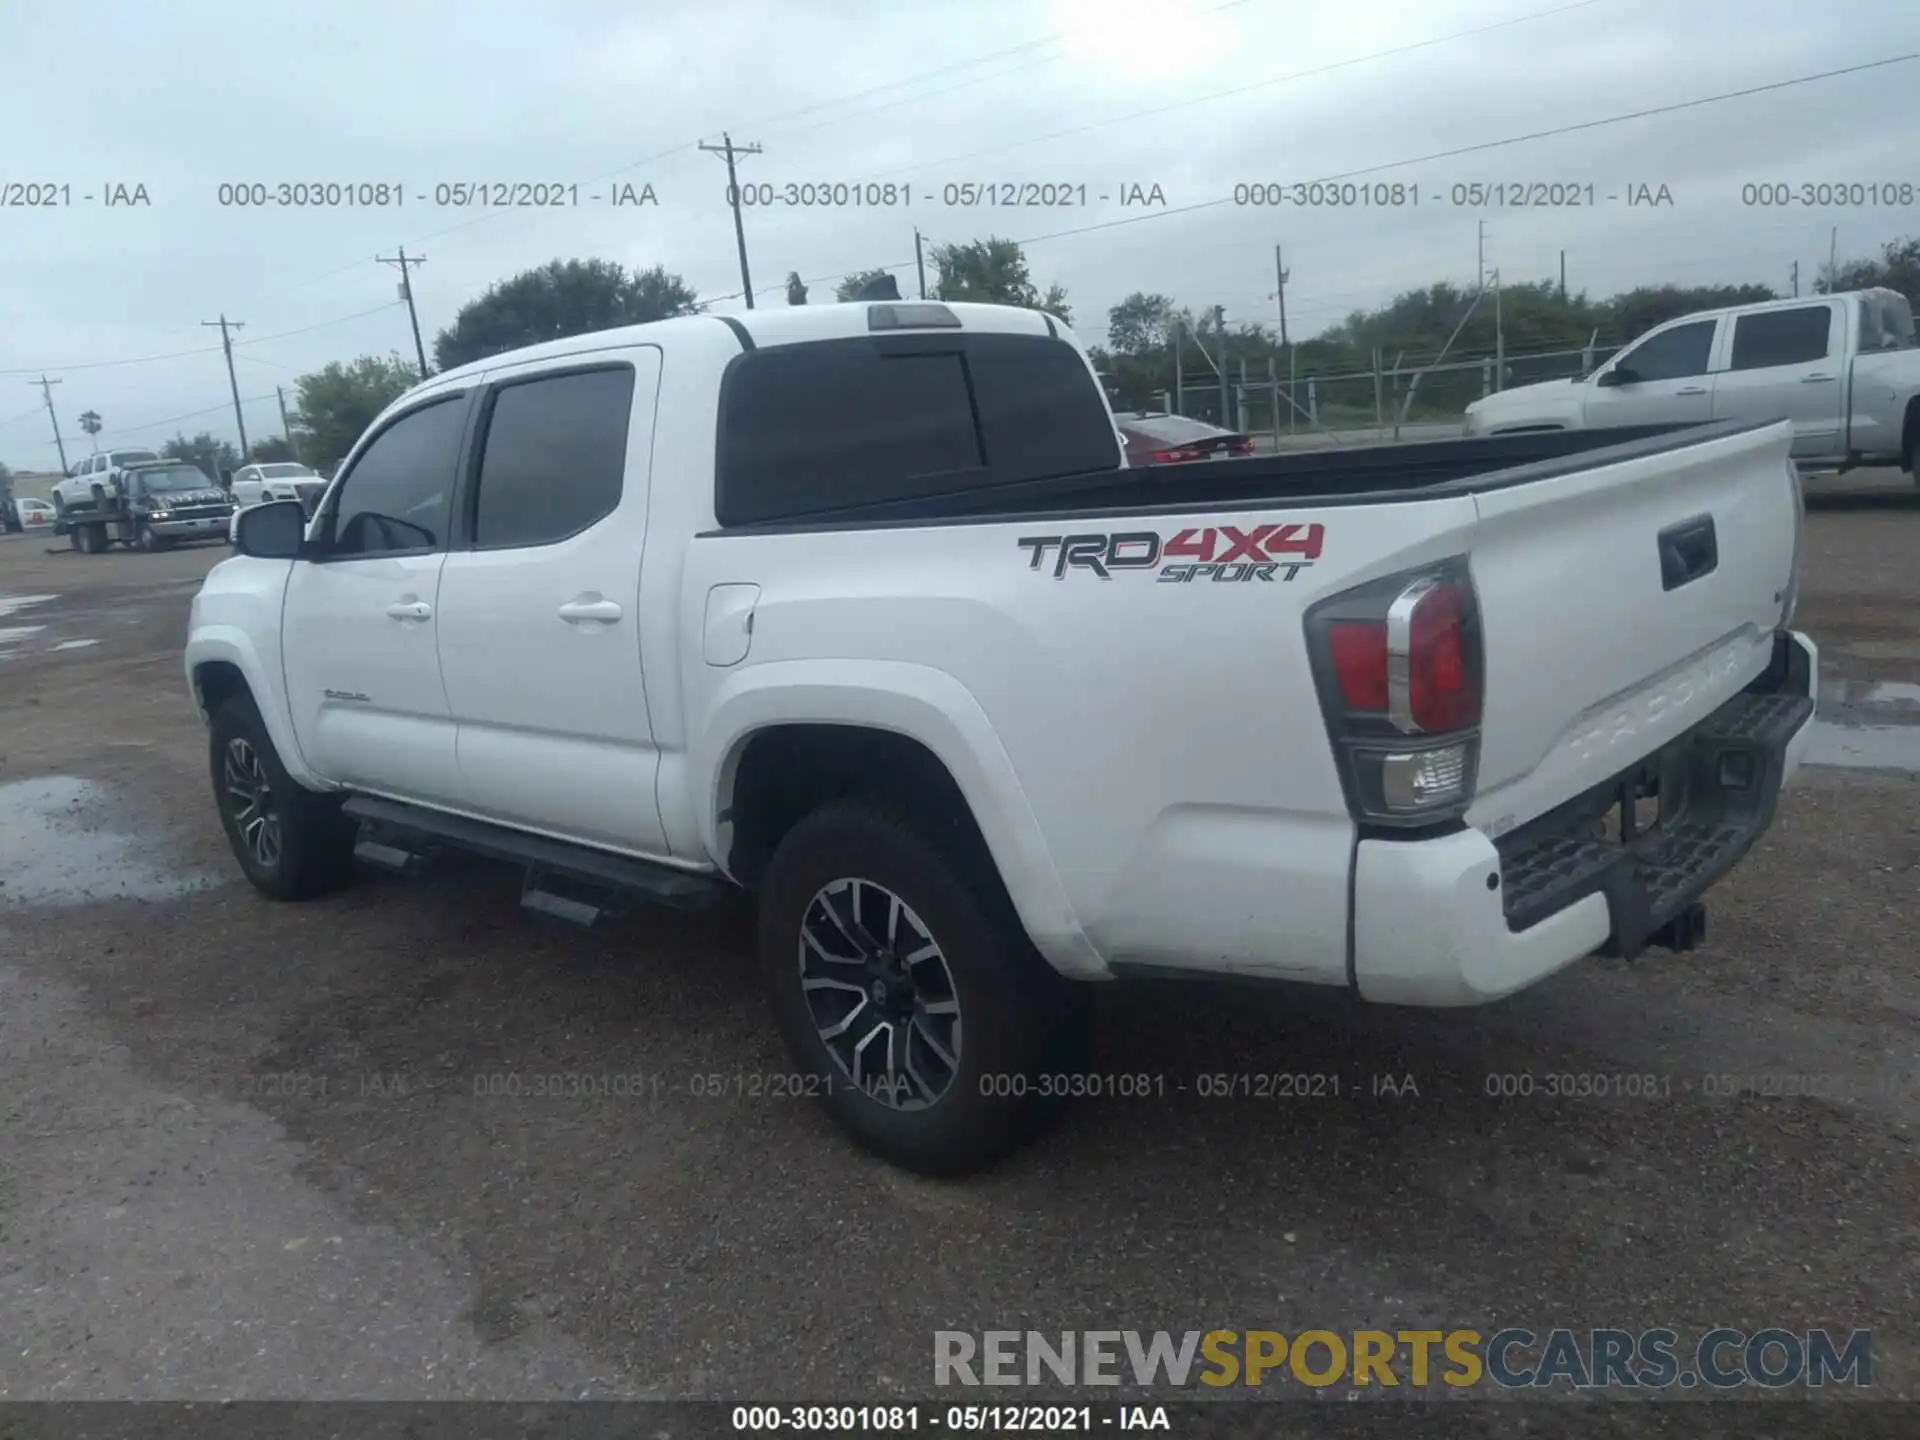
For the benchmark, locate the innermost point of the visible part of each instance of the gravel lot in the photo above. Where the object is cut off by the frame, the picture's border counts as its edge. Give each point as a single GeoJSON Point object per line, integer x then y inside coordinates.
{"type": "Point", "coordinates": [242, 1152]}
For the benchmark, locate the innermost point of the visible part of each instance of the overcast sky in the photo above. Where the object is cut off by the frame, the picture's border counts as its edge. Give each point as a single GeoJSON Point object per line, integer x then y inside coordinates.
{"type": "Point", "coordinates": [1192, 96]}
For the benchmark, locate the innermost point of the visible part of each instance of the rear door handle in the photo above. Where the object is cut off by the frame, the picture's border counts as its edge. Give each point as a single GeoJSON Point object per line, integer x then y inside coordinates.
{"type": "Point", "coordinates": [1688, 550]}
{"type": "Point", "coordinates": [1691, 390]}
{"type": "Point", "coordinates": [575, 611]}
{"type": "Point", "coordinates": [410, 610]}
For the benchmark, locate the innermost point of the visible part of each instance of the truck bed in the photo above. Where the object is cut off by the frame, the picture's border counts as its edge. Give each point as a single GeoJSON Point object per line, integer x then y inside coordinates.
{"type": "Point", "coordinates": [1352, 475]}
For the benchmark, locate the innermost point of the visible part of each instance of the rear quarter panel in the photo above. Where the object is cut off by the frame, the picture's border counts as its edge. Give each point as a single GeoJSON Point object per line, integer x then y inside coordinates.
{"type": "Point", "coordinates": [1165, 735]}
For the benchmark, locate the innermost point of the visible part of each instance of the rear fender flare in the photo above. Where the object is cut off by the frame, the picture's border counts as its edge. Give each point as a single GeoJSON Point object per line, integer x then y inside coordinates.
{"type": "Point", "coordinates": [925, 705]}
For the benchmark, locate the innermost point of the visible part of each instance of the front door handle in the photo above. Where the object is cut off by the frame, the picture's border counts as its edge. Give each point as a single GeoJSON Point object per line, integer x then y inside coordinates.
{"type": "Point", "coordinates": [575, 611]}
{"type": "Point", "coordinates": [410, 610]}
{"type": "Point", "coordinates": [1817, 379]}
{"type": "Point", "coordinates": [1691, 390]}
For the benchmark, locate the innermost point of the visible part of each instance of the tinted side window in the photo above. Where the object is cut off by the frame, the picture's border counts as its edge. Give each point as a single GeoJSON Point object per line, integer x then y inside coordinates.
{"type": "Point", "coordinates": [817, 426]}
{"type": "Point", "coordinates": [1041, 410]}
{"type": "Point", "coordinates": [1781, 337]}
{"type": "Point", "coordinates": [555, 457]}
{"type": "Point", "coordinates": [400, 491]}
{"type": "Point", "coordinates": [1673, 354]}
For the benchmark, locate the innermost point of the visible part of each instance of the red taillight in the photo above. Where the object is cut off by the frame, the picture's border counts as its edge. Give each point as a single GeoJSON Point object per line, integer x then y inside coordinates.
{"type": "Point", "coordinates": [1441, 695]}
{"type": "Point", "coordinates": [1358, 649]}
{"type": "Point", "coordinates": [1245, 447]}
{"type": "Point", "coordinates": [1175, 456]}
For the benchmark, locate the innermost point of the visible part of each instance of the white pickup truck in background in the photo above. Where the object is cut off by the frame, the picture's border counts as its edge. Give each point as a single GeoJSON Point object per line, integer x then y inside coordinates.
{"type": "Point", "coordinates": [855, 607]}
{"type": "Point", "coordinates": [1843, 368]}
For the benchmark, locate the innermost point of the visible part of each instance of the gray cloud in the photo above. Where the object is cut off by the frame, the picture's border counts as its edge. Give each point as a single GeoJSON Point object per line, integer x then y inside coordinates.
{"type": "Point", "coordinates": [197, 94]}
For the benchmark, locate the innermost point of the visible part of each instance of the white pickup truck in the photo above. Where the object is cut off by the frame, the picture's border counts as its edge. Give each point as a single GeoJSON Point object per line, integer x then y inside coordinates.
{"type": "Point", "coordinates": [856, 608]}
{"type": "Point", "coordinates": [1844, 369]}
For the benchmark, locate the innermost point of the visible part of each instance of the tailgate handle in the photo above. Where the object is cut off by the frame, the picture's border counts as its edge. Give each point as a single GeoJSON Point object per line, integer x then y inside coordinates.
{"type": "Point", "coordinates": [1688, 550]}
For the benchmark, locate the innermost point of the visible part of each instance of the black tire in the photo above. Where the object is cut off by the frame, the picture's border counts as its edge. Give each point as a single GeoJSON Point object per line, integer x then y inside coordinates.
{"type": "Point", "coordinates": [1012, 1014]}
{"type": "Point", "coordinates": [295, 844]}
{"type": "Point", "coordinates": [146, 539]}
{"type": "Point", "coordinates": [84, 535]}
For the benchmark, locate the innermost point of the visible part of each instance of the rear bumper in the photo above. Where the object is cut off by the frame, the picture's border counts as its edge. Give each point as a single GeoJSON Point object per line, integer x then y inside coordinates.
{"type": "Point", "coordinates": [1464, 919]}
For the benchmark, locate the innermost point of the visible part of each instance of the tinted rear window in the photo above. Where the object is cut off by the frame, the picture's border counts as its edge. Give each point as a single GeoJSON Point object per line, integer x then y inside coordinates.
{"type": "Point", "coordinates": [554, 457]}
{"type": "Point", "coordinates": [822, 426]}
{"type": "Point", "coordinates": [1781, 337]}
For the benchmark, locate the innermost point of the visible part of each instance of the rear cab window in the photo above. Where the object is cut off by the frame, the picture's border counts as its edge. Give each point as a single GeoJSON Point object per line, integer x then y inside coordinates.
{"type": "Point", "coordinates": [553, 456]}
{"type": "Point", "coordinates": [811, 428]}
{"type": "Point", "coordinates": [1781, 337]}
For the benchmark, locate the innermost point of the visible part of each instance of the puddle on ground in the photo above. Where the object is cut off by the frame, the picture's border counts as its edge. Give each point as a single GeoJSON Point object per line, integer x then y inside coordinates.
{"type": "Point", "coordinates": [11, 603]}
{"type": "Point", "coordinates": [1865, 747]}
{"type": "Point", "coordinates": [14, 634]}
{"type": "Point", "coordinates": [49, 853]}
{"type": "Point", "coordinates": [73, 645]}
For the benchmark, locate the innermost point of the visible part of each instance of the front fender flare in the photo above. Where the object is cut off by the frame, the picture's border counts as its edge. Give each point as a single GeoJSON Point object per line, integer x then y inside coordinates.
{"type": "Point", "coordinates": [229, 644]}
{"type": "Point", "coordinates": [925, 705]}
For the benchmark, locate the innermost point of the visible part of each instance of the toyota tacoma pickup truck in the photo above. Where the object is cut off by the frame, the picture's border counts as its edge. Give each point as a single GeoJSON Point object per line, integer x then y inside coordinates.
{"type": "Point", "coordinates": [1844, 369]}
{"type": "Point", "coordinates": [857, 609]}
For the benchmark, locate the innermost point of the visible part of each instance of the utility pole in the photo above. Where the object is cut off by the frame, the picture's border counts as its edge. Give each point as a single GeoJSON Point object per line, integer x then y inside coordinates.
{"type": "Point", "coordinates": [1280, 275]}
{"type": "Point", "coordinates": [920, 261]}
{"type": "Point", "coordinates": [404, 260]}
{"type": "Point", "coordinates": [1499, 337]}
{"type": "Point", "coordinates": [729, 149]}
{"type": "Point", "coordinates": [46, 393]}
{"type": "Point", "coordinates": [1563, 275]}
{"type": "Point", "coordinates": [1833, 258]}
{"type": "Point", "coordinates": [286, 425]}
{"type": "Point", "coordinates": [226, 343]}
{"type": "Point", "coordinates": [1480, 272]}
{"type": "Point", "coordinates": [1220, 344]}
{"type": "Point", "coordinates": [1796, 279]}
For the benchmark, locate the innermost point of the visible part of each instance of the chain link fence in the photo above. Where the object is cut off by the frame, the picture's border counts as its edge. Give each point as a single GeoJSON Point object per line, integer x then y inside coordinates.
{"type": "Point", "coordinates": [1373, 403]}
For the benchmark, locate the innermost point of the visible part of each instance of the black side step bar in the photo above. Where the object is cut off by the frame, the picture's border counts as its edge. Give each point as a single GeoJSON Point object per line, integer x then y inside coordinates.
{"type": "Point", "coordinates": [394, 834]}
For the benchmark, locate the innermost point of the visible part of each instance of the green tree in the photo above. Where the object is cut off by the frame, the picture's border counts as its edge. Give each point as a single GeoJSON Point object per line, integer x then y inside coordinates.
{"type": "Point", "coordinates": [850, 288]}
{"type": "Point", "coordinates": [271, 449]}
{"type": "Point", "coordinates": [90, 422]}
{"type": "Point", "coordinates": [1139, 322]}
{"type": "Point", "coordinates": [338, 403]}
{"type": "Point", "coordinates": [558, 299]}
{"type": "Point", "coordinates": [993, 270]}
{"type": "Point", "coordinates": [1898, 269]}
{"type": "Point", "coordinates": [796, 288]}
{"type": "Point", "coordinates": [211, 456]}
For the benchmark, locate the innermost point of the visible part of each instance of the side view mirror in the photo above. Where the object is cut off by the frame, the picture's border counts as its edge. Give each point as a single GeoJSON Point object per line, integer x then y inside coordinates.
{"type": "Point", "coordinates": [274, 531]}
{"type": "Point", "coordinates": [1618, 375]}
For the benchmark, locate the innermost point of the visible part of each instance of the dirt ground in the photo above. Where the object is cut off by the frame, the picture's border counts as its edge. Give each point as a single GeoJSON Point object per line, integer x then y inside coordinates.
{"type": "Point", "coordinates": [252, 1150]}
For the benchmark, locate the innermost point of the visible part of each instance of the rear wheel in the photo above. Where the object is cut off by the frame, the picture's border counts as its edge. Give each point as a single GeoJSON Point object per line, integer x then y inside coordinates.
{"type": "Point", "coordinates": [291, 842]}
{"type": "Point", "coordinates": [906, 988]}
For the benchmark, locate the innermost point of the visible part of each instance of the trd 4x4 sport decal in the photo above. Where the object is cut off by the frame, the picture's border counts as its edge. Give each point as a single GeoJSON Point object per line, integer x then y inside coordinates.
{"type": "Point", "coordinates": [1277, 550]}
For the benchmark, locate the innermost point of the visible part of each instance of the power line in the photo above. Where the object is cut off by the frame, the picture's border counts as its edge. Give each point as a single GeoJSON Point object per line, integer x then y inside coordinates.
{"type": "Point", "coordinates": [1317, 70]}
{"type": "Point", "coordinates": [176, 419]}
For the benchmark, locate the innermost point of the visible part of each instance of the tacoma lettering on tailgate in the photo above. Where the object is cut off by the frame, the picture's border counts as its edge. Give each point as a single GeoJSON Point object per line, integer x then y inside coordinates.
{"type": "Point", "coordinates": [1274, 550]}
{"type": "Point", "coordinates": [1678, 693]}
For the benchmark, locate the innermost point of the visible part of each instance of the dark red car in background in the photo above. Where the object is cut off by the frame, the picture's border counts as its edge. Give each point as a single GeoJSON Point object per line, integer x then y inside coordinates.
{"type": "Point", "coordinates": [1161, 439]}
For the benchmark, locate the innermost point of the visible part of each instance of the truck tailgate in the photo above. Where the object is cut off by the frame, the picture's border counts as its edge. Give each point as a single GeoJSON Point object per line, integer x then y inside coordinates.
{"type": "Point", "coordinates": [1621, 604]}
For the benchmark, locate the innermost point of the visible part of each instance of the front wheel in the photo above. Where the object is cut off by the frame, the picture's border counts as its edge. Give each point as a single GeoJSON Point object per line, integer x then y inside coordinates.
{"type": "Point", "coordinates": [291, 842]}
{"type": "Point", "coordinates": [905, 987]}
{"type": "Point", "coordinates": [146, 539]}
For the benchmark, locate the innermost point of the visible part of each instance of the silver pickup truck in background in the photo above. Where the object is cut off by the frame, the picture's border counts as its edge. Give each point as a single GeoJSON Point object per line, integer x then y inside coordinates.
{"type": "Point", "coordinates": [1843, 368]}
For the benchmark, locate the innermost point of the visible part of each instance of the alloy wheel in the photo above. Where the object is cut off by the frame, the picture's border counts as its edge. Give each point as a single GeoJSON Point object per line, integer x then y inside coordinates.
{"type": "Point", "coordinates": [880, 992]}
{"type": "Point", "coordinates": [254, 806]}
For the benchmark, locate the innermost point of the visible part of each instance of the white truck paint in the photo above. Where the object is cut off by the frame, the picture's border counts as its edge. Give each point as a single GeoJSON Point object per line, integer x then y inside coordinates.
{"type": "Point", "coordinates": [1152, 738]}
{"type": "Point", "coordinates": [1842, 368]}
